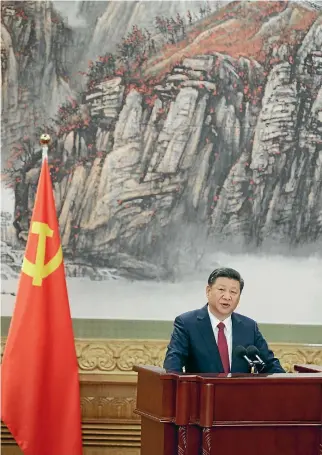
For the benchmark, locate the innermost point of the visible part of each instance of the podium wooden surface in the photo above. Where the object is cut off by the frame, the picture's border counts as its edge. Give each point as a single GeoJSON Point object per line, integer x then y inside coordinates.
{"type": "Point", "coordinates": [186, 414]}
{"type": "Point", "coordinates": [308, 368]}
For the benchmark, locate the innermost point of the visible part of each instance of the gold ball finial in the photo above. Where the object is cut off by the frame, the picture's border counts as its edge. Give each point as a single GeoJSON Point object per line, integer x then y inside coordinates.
{"type": "Point", "coordinates": [45, 139]}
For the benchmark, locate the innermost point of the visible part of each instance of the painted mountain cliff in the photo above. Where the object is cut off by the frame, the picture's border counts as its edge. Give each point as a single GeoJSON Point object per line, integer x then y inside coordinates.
{"type": "Point", "coordinates": [34, 42]}
{"type": "Point", "coordinates": [190, 128]}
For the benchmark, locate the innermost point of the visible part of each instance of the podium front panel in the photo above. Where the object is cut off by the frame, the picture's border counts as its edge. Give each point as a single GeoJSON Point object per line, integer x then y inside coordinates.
{"type": "Point", "coordinates": [274, 440]}
{"type": "Point", "coordinates": [255, 402]}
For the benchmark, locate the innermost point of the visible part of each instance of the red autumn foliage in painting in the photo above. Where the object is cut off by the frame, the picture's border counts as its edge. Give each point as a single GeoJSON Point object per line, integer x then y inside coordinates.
{"type": "Point", "coordinates": [24, 155]}
{"type": "Point", "coordinates": [142, 67]}
{"type": "Point", "coordinates": [236, 30]}
{"type": "Point", "coordinates": [101, 70]}
{"type": "Point", "coordinates": [71, 117]}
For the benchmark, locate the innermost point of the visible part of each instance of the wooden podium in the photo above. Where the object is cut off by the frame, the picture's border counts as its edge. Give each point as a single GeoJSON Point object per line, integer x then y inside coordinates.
{"type": "Point", "coordinates": [185, 414]}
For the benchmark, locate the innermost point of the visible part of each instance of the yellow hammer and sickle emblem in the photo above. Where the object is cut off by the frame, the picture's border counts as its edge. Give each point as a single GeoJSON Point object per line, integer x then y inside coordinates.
{"type": "Point", "coordinates": [39, 270]}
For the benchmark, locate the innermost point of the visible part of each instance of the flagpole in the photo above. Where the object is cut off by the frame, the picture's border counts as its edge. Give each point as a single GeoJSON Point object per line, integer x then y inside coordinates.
{"type": "Point", "coordinates": [44, 152]}
{"type": "Point", "coordinates": [44, 142]}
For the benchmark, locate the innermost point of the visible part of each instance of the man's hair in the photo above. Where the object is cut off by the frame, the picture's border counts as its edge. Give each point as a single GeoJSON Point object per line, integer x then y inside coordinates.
{"type": "Point", "coordinates": [226, 272]}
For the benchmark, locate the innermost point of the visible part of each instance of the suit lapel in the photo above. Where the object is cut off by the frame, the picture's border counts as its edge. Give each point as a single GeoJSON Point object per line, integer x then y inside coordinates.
{"type": "Point", "coordinates": [205, 329]}
{"type": "Point", "coordinates": [237, 334]}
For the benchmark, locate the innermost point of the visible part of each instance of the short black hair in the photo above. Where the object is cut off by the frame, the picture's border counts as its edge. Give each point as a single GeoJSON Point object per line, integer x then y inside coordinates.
{"type": "Point", "coordinates": [226, 272]}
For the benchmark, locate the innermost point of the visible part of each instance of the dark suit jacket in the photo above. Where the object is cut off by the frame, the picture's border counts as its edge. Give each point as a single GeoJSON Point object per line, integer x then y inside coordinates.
{"type": "Point", "coordinates": [193, 345]}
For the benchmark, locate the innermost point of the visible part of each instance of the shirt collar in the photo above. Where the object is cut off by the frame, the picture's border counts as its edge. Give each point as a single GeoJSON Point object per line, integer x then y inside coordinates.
{"type": "Point", "coordinates": [215, 321]}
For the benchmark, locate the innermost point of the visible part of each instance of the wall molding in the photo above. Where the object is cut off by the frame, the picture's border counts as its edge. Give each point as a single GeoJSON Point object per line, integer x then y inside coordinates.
{"type": "Point", "coordinates": [116, 357]}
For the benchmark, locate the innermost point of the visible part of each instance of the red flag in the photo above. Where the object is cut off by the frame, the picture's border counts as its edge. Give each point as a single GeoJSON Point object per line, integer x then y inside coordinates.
{"type": "Point", "coordinates": [40, 397]}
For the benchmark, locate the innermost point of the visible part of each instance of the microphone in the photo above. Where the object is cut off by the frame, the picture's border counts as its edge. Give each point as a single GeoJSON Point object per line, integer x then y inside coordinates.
{"type": "Point", "coordinates": [240, 351]}
{"type": "Point", "coordinates": [253, 353]}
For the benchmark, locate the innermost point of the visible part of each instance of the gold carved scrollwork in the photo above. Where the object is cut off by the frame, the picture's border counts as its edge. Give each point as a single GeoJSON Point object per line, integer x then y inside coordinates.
{"type": "Point", "coordinates": [126, 353]}
{"type": "Point", "coordinates": [109, 408]}
{"type": "Point", "coordinates": [144, 354]}
{"type": "Point", "coordinates": [130, 356]}
{"type": "Point", "coordinates": [95, 356]}
{"type": "Point", "coordinates": [290, 355]}
{"type": "Point", "coordinates": [119, 356]}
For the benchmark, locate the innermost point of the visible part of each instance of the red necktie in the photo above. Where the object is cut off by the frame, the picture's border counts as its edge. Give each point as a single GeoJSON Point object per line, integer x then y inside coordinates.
{"type": "Point", "coordinates": [223, 347]}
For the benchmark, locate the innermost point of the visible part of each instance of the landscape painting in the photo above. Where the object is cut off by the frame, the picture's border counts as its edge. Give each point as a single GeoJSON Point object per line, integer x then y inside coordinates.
{"type": "Point", "coordinates": [185, 135]}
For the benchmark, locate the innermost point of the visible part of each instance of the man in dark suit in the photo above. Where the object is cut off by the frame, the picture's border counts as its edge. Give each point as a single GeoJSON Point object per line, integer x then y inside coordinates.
{"type": "Point", "coordinates": [203, 341]}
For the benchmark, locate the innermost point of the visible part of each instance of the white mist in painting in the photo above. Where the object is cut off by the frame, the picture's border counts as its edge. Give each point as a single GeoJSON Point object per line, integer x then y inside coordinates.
{"type": "Point", "coordinates": [7, 200]}
{"type": "Point", "coordinates": [278, 289]}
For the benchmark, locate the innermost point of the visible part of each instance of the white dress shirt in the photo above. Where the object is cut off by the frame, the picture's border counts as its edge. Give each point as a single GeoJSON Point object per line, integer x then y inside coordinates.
{"type": "Point", "coordinates": [228, 331]}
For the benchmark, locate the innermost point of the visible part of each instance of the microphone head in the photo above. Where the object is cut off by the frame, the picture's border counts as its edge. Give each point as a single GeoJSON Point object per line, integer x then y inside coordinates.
{"type": "Point", "coordinates": [240, 351]}
{"type": "Point", "coordinates": [252, 351]}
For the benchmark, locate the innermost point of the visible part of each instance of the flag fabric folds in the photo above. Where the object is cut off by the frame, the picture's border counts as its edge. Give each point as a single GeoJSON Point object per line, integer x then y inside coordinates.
{"type": "Point", "coordinates": [40, 399]}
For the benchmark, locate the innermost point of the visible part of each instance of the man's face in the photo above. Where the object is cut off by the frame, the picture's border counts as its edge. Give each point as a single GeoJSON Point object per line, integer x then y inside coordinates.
{"type": "Point", "coordinates": [223, 297]}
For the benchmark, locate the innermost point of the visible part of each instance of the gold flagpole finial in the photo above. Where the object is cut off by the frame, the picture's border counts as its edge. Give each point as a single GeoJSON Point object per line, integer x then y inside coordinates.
{"type": "Point", "coordinates": [44, 142]}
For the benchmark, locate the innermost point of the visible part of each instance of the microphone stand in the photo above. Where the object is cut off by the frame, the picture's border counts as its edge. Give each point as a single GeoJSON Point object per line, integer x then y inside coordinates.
{"type": "Point", "coordinates": [257, 367]}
